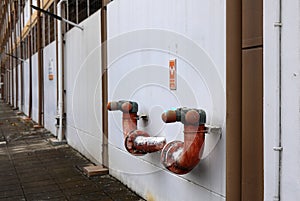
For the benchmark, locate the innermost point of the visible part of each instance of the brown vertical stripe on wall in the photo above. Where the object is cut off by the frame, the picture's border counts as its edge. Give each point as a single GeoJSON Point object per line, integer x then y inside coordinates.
{"type": "Point", "coordinates": [252, 32]}
{"type": "Point", "coordinates": [252, 125]}
{"type": "Point", "coordinates": [40, 68]}
{"type": "Point", "coordinates": [233, 98]}
{"type": "Point", "coordinates": [104, 77]}
{"type": "Point", "coordinates": [252, 101]}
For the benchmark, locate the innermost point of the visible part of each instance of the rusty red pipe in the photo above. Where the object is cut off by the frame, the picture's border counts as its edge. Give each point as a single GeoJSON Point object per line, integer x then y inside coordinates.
{"type": "Point", "coordinates": [129, 119]}
{"type": "Point", "coordinates": [137, 142]}
{"type": "Point", "coordinates": [181, 157]}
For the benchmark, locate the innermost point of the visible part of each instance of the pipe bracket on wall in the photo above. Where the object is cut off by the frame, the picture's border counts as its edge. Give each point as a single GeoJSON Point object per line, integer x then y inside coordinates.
{"type": "Point", "coordinates": [137, 142]}
{"type": "Point", "coordinates": [213, 129]}
{"type": "Point", "coordinates": [143, 117]}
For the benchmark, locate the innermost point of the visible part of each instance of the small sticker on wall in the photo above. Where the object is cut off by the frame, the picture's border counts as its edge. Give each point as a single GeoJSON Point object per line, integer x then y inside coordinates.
{"type": "Point", "coordinates": [50, 70]}
{"type": "Point", "coordinates": [172, 74]}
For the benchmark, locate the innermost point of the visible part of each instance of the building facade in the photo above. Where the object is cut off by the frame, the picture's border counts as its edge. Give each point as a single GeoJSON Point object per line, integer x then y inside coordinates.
{"type": "Point", "coordinates": [233, 65]}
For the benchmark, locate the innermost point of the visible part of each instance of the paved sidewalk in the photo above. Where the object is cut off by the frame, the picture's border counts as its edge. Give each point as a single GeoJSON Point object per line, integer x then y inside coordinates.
{"type": "Point", "coordinates": [32, 169]}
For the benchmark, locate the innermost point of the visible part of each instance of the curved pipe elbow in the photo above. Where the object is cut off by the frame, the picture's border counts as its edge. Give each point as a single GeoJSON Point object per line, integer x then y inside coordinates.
{"type": "Point", "coordinates": [136, 142]}
{"type": "Point", "coordinates": [129, 111]}
{"type": "Point", "coordinates": [181, 157]}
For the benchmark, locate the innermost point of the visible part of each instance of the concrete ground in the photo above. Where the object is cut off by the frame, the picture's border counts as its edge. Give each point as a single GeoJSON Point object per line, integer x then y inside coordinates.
{"type": "Point", "coordinates": [32, 169]}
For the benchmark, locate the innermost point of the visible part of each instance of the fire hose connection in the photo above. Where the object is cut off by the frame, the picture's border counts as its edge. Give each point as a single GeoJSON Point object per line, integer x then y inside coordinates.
{"type": "Point", "coordinates": [181, 157]}
{"type": "Point", "coordinates": [137, 142]}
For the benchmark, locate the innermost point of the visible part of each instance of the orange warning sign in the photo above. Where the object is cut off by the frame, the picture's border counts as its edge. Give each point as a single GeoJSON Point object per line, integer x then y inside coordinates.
{"type": "Point", "coordinates": [172, 74]}
{"type": "Point", "coordinates": [50, 70]}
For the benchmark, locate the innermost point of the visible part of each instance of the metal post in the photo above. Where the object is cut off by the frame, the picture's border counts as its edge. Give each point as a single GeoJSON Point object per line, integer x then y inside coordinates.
{"type": "Point", "coordinates": [11, 60]}
{"type": "Point", "coordinates": [56, 52]}
{"type": "Point", "coordinates": [40, 68]}
{"type": "Point", "coordinates": [278, 136]}
{"type": "Point", "coordinates": [16, 53]}
{"type": "Point", "coordinates": [30, 66]}
{"type": "Point", "coordinates": [60, 59]}
{"type": "Point", "coordinates": [105, 160]}
{"type": "Point", "coordinates": [8, 73]}
{"type": "Point", "coordinates": [21, 55]}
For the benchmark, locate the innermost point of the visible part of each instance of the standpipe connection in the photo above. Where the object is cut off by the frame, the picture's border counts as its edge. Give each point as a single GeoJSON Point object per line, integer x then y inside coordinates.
{"type": "Point", "coordinates": [181, 157]}
{"type": "Point", "coordinates": [137, 142]}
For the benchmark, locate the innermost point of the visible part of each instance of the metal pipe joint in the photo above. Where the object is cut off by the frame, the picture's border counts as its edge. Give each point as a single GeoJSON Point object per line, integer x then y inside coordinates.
{"type": "Point", "coordinates": [137, 142]}
{"type": "Point", "coordinates": [185, 116]}
{"type": "Point", "coordinates": [181, 157]}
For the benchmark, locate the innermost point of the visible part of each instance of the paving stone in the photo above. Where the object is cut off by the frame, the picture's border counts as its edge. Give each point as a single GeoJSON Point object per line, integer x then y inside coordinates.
{"type": "Point", "coordinates": [35, 178]}
{"type": "Point", "coordinates": [126, 196]}
{"type": "Point", "coordinates": [14, 192]}
{"type": "Point", "coordinates": [67, 178]}
{"type": "Point", "coordinates": [90, 196]}
{"type": "Point", "coordinates": [8, 177]}
{"type": "Point", "coordinates": [45, 196]}
{"type": "Point", "coordinates": [14, 198]}
{"type": "Point", "coordinates": [38, 183]}
{"type": "Point", "coordinates": [8, 182]}
{"type": "Point", "coordinates": [83, 190]}
{"type": "Point", "coordinates": [58, 199]}
{"type": "Point", "coordinates": [41, 189]}
{"type": "Point", "coordinates": [76, 184]}
{"type": "Point", "coordinates": [6, 169]}
{"type": "Point", "coordinates": [10, 187]}
{"type": "Point", "coordinates": [30, 170]}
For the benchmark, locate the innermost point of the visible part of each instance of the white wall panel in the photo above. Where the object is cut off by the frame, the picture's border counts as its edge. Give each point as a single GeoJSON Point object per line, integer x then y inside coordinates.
{"type": "Point", "coordinates": [143, 37]}
{"type": "Point", "coordinates": [26, 12]}
{"type": "Point", "coordinates": [290, 100]}
{"type": "Point", "coordinates": [26, 86]}
{"type": "Point", "coordinates": [9, 83]}
{"type": "Point", "coordinates": [271, 104]}
{"type": "Point", "coordinates": [35, 97]}
{"type": "Point", "coordinates": [19, 87]}
{"type": "Point", "coordinates": [50, 110]}
{"type": "Point", "coordinates": [14, 84]}
{"type": "Point", "coordinates": [83, 88]}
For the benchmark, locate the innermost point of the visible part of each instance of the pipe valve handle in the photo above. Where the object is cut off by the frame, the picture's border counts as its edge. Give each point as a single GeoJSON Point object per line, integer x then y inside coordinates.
{"type": "Point", "coordinates": [185, 116]}
{"type": "Point", "coordinates": [124, 106]}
